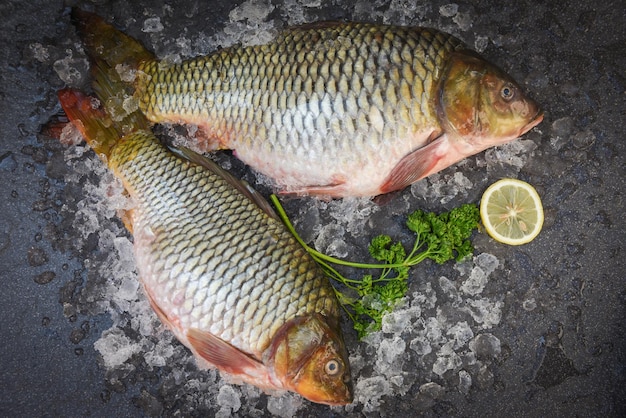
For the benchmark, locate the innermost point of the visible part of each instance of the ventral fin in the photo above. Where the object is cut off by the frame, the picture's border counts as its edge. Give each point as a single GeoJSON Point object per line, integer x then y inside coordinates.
{"type": "Point", "coordinates": [221, 354]}
{"type": "Point", "coordinates": [417, 165]}
{"type": "Point", "coordinates": [242, 186]}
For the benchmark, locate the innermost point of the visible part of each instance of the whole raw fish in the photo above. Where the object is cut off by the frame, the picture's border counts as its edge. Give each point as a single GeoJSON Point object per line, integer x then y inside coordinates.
{"type": "Point", "coordinates": [335, 109]}
{"type": "Point", "coordinates": [219, 268]}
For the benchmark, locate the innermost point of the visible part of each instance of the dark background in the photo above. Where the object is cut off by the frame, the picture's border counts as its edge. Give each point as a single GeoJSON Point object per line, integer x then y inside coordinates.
{"type": "Point", "coordinates": [556, 345]}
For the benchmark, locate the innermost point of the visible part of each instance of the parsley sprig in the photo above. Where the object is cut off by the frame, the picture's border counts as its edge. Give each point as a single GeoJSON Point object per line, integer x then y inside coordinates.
{"type": "Point", "coordinates": [439, 237]}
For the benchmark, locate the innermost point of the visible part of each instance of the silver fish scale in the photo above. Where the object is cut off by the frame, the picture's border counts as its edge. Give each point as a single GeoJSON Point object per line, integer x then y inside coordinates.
{"type": "Point", "coordinates": [303, 94]}
{"type": "Point", "coordinates": [209, 257]}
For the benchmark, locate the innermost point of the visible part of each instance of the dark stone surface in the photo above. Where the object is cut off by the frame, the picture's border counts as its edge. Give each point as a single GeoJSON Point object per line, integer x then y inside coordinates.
{"type": "Point", "coordinates": [561, 336]}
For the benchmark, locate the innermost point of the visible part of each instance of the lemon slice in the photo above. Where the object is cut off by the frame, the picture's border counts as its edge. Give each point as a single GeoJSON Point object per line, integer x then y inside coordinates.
{"type": "Point", "coordinates": [511, 212]}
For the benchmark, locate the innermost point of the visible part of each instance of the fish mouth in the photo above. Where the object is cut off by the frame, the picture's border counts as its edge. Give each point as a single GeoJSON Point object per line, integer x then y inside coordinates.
{"type": "Point", "coordinates": [534, 122]}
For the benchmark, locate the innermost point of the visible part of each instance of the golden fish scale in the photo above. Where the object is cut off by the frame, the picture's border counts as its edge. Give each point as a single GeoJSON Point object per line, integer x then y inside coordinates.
{"type": "Point", "coordinates": [302, 94]}
{"type": "Point", "coordinates": [210, 258]}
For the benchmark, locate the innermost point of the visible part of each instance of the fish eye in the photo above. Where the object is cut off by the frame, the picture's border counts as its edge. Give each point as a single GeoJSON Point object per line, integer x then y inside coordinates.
{"type": "Point", "coordinates": [507, 92]}
{"type": "Point", "coordinates": [332, 367]}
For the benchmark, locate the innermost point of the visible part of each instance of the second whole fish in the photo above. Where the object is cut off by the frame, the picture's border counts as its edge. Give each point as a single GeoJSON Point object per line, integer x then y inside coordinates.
{"type": "Point", "coordinates": [219, 268]}
{"type": "Point", "coordinates": [331, 109]}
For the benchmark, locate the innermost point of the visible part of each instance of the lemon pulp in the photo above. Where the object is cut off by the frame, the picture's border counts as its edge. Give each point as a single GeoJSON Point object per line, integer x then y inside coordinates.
{"type": "Point", "coordinates": [511, 211]}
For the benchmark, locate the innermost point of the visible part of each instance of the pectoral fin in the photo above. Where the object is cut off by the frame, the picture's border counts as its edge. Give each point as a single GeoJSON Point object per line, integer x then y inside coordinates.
{"type": "Point", "coordinates": [223, 355]}
{"type": "Point", "coordinates": [417, 165]}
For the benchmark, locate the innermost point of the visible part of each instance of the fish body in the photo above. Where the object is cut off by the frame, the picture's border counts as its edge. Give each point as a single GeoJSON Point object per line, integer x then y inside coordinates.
{"type": "Point", "coordinates": [334, 109]}
{"type": "Point", "coordinates": [219, 268]}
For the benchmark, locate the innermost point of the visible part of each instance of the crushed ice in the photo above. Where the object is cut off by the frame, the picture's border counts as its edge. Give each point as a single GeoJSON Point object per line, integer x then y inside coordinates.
{"type": "Point", "coordinates": [444, 187]}
{"type": "Point", "coordinates": [70, 69]}
{"type": "Point", "coordinates": [424, 340]}
{"type": "Point", "coordinates": [515, 154]}
{"type": "Point", "coordinates": [152, 25]}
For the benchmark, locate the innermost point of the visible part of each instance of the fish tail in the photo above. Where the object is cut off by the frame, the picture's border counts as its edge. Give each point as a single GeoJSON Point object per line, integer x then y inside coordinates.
{"type": "Point", "coordinates": [100, 131]}
{"type": "Point", "coordinates": [114, 58]}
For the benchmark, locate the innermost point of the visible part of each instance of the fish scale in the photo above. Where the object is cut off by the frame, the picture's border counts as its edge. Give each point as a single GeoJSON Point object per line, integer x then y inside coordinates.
{"type": "Point", "coordinates": [191, 227]}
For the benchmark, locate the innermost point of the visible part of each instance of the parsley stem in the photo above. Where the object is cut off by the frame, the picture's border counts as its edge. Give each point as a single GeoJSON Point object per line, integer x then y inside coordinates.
{"type": "Point", "coordinates": [320, 256]}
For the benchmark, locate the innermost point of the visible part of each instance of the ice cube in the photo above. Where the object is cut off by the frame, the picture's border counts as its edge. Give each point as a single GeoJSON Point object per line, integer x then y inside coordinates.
{"type": "Point", "coordinates": [251, 10]}
{"type": "Point", "coordinates": [421, 346]}
{"type": "Point", "coordinates": [428, 393]}
{"type": "Point", "coordinates": [128, 289]}
{"type": "Point", "coordinates": [390, 356]}
{"type": "Point", "coordinates": [562, 129]}
{"type": "Point", "coordinates": [446, 360]}
{"type": "Point", "coordinates": [486, 346]}
{"type": "Point", "coordinates": [368, 392]}
{"type": "Point", "coordinates": [465, 382]}
{"type": "Point", "coordinates": [40, 52]}
{"type": "Point", "coordinates": [284, 406]}
{"type": "Point", "coordinates": [130, 104]}
{"type": "Point", "coordinates": [229, 399]}
{"type": "Point", "coordinates": [449, 10]}
{"type": "Point", "coordinates": [70, 69]}
{"type": "Point", "coordinates": [152, 25]}
{"type": "Point", "coordinates": [449, 288]}
{"type": "Point", "coordinates": [584, 139]}
{"type": "Point", "coordinates": [329, 241]}
{"type": "Point", "coordinates": [424, 299]}
{"type": "Point", "coordinates": [127, 72]}
{"type": "Point", "coordinates": [183, 46]}
{"type": "Point", "coordinates": [115, 348]}
{"type": "Point", "coordinates": [400, 320]}
{"type": "Point", "coordinates": [461, 333]}
{"type": "Point", "coordinates": [481, 43]}
{"type": "Point", "coordinates": [475, 283]}
{"type": "Point", "coordinates": [484, 311]}
{"type": "Point", "coordinates": [159, 354]}
{"type": "Point", "coordinates": [297, 10]}
{"type": "Point", "coordinates": [352, 213]}
{"type": "Point", "coordinates": [442, 188]}
{"type": "Point", "coordinates": [464, 20]}
{"type": "Point", "coordinates": [515, 154]}
{"type": "Point", "coordinates": [434, 331]}
{"type": "Point", "coordinates": [529, 304]}
{"type": "Point", "coordinates": [420, 188]}
{"type": "Point", "coordinates": [487, 262]}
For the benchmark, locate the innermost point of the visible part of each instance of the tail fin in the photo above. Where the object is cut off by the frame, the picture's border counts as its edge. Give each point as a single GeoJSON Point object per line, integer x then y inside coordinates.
{"type": "Point", "coordinates": [114, 58]}
{"type": "Point", "coordinates": [100, 131]}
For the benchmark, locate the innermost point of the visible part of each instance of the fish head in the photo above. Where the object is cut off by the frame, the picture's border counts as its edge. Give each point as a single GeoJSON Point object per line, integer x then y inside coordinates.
{"type": "Point", "coordinates": [480, 105]}
{"type": "Point", "coordinates": [308, 356]}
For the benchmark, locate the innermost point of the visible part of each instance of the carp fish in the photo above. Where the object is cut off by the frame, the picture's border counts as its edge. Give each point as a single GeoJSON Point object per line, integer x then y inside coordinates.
{"type": "Point", "coordinates": [331, 109]}
{"type": "Point", "coordinates": [219, 268]}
